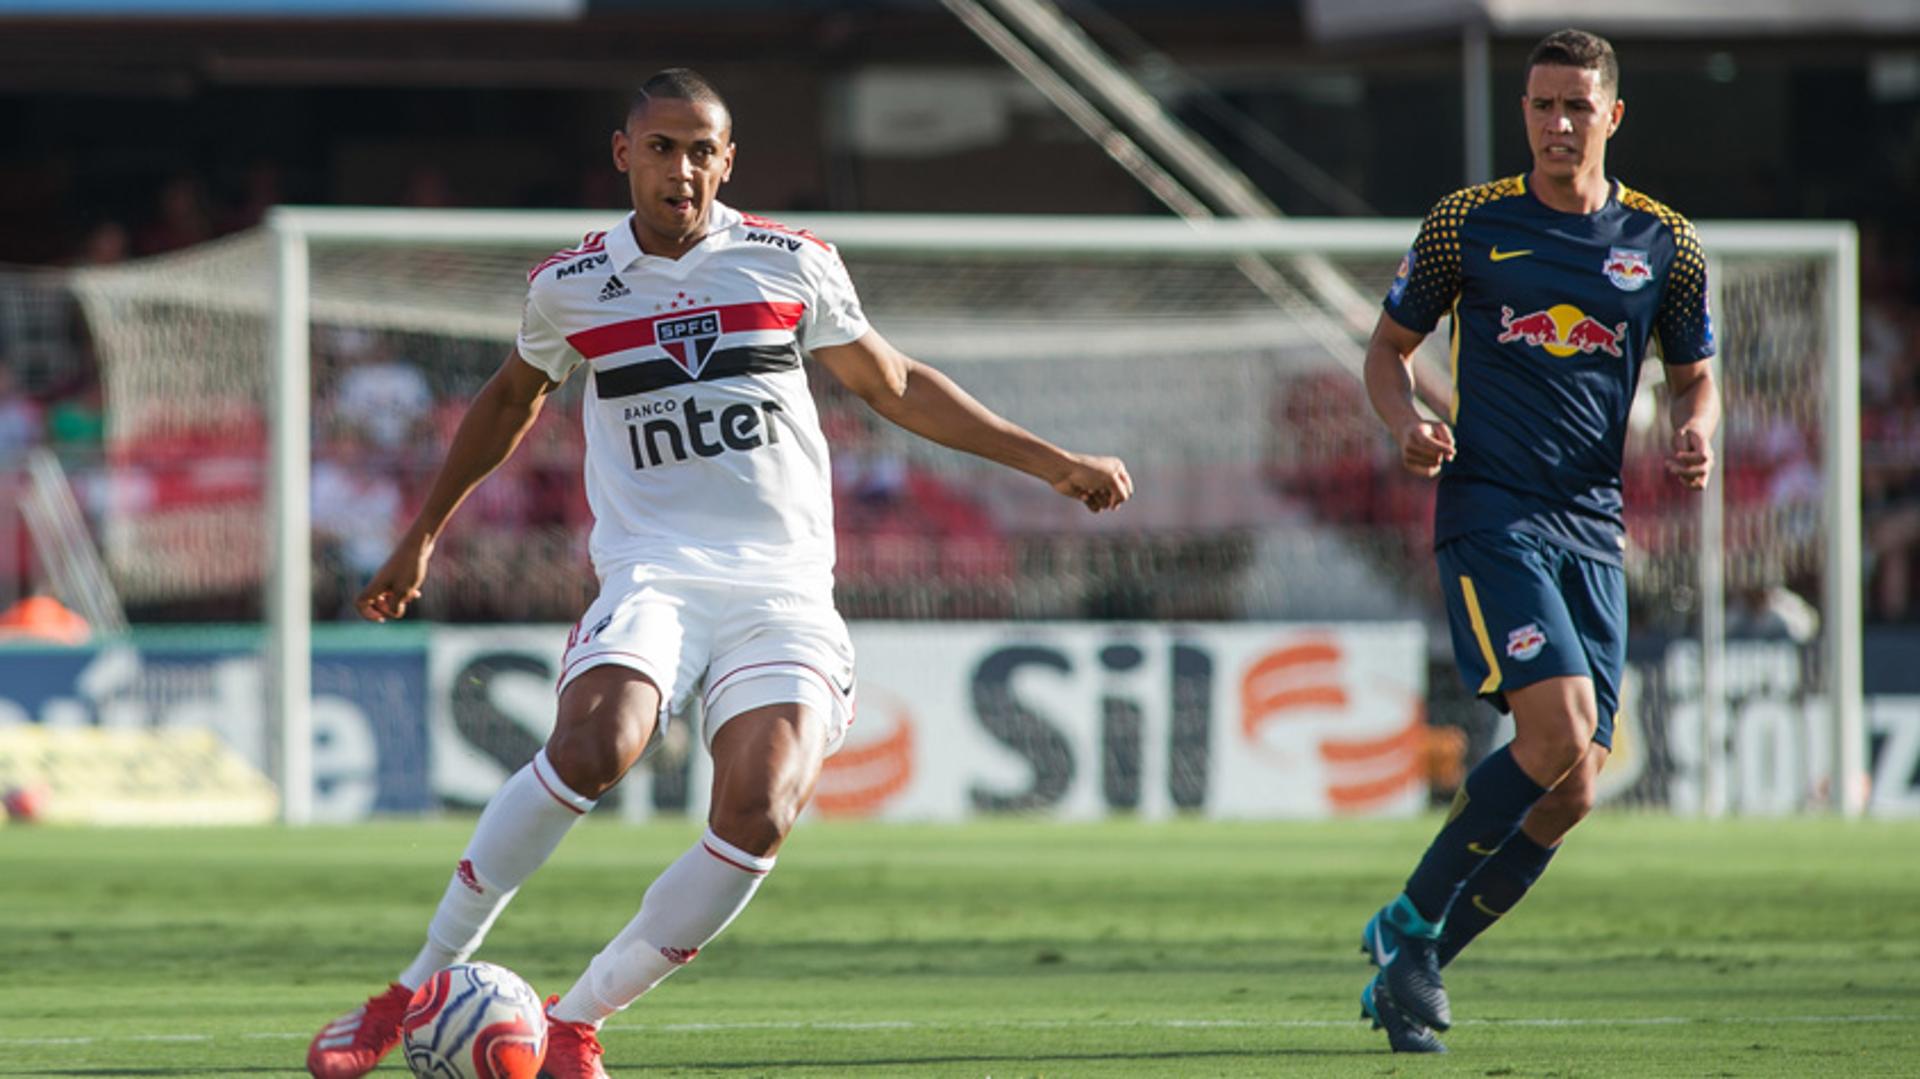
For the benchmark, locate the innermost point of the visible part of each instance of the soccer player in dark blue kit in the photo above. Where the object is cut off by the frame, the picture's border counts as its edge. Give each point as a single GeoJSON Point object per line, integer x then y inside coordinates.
{"type": "Point", "coordinates": [1557, 282]}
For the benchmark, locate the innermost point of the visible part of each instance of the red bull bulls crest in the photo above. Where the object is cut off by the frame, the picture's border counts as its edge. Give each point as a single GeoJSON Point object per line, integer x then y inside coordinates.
{"type": "Point", "coordinates": [1563, 330]}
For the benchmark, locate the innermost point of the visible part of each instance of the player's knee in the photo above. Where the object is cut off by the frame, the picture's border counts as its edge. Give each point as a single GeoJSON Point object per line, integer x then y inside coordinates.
{"type": "Point", "coordinates": [1573, 737]}
{"type": "Point", "coordinates": [757, 822]}
{"type": "Point", "coordinates": [1549, 750]}
{"type": "Point", "coordinates": [590, 757]}
{"type": "Point", "coordinates": [1565, 805]}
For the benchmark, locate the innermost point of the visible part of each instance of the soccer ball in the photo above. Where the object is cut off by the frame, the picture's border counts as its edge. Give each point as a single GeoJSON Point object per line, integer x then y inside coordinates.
{"type": "Point", "coordinates": [475, 1021]}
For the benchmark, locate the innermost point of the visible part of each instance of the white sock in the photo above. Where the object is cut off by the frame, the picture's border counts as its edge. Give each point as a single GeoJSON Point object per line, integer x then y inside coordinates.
{"type": "Point", "coordinates": [526, 819]}
{"type": "Point", "coordinates": [690, 903]}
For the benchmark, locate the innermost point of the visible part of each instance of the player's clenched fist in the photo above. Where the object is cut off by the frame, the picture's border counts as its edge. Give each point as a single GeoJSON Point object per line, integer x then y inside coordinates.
{"type": "Point", "coordinates": [1425, 446]}
{"type": "Point", "coordinates": [1100, 483]}
{"type": "Point", "coordinates": [1692, 458]}
{"type": "Point", "coordinates": [397, 583]}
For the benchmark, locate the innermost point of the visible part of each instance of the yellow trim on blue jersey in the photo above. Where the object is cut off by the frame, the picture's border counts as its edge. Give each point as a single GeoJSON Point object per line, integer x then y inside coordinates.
{"type": "Point", "coordinates": [1453, 360]}
{"type": "Point", "coordinates": [1472, 597]}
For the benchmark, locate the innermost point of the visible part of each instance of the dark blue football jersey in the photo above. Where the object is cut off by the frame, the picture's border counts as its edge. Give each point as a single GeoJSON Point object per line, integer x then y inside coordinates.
{"type": "Point", "coordinates": [1552, 314]}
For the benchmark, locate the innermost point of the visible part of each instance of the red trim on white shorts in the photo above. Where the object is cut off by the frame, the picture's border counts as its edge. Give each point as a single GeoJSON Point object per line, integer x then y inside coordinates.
{"type": "Point", "coordinates": [707, 700]}
{"type": "Point", "coordinates": [567, 671]}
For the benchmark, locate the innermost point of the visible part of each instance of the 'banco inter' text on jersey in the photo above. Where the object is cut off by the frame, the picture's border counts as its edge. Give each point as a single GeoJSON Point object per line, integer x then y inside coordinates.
{"type": "Point", "coordinates": [704, 451]}
{"type": "Point", "coordinates": [1552, 314]}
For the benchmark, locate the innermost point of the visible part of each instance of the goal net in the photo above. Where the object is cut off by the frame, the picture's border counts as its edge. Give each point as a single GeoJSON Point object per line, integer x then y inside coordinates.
{"type": "Point", "coordinates": [1267, 489]}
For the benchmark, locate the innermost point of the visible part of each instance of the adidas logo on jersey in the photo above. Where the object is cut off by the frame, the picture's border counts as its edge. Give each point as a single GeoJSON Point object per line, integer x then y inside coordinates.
{"type": "Point", "coordinates": [614, 289]}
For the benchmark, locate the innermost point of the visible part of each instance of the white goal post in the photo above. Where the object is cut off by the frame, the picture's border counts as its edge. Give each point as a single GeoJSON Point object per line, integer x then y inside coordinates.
{"type": "Point", "coordinates": [298, 235]}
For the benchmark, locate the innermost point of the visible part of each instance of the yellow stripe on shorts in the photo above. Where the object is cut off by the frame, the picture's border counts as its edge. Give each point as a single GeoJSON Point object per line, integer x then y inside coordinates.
{"type": "Point", "coordinates": [1480, 634]}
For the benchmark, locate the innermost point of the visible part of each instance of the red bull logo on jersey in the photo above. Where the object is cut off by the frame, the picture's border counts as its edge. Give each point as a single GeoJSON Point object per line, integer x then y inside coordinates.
{"type": "Point", "coordinates": [1627, 269]}
{"type": "Point", "coordinates": [1563, 330]}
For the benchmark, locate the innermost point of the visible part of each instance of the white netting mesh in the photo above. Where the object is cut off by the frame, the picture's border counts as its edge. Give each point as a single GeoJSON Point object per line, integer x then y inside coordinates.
{"type": "Point", "coordinates": [1267, 488]}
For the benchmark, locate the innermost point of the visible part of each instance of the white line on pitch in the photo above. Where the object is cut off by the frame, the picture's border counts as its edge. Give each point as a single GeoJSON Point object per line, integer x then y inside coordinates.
{"type": "Point", "coordinates": [1058, 1024]}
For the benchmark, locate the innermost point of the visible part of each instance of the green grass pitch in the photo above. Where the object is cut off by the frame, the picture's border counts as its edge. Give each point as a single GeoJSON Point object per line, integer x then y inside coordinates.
{"type": "Point", "coordinates": [1655, 947]}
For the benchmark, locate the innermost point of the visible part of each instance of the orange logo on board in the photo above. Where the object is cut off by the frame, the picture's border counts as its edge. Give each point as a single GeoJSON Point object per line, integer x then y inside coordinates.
{"type": "Point", "coordinates": [861, 779]}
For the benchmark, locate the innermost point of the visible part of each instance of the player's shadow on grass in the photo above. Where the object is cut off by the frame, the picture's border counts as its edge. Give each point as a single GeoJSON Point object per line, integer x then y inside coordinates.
{"type": "Point", "coordinates": [903, 1061]}
{"type": "Point", "coordinates": [276, 1068]}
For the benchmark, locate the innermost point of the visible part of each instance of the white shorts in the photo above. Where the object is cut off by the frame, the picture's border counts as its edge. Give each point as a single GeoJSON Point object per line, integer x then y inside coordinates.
{"type": "Point", "coordinates": [741, 646]}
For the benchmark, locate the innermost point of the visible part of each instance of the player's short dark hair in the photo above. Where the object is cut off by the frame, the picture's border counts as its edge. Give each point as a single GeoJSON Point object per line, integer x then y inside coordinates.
{"type": "Point", "coordinates": [1578, 48]}
{"type": "Point", "coordinates": [679, 84]}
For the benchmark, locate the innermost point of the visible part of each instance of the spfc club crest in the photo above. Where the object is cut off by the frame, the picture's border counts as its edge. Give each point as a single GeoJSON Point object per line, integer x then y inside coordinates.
{"type": "Point", "coordinates": [1627, 269]}
{"type": "Point", "coordinates": [689, 339]}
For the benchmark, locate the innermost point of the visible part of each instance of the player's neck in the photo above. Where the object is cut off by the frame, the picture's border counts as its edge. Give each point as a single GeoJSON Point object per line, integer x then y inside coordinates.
{"type": "Point", "coordinates": [1581, 193]}
{"type": "Point", "coordinates": [661, 245]}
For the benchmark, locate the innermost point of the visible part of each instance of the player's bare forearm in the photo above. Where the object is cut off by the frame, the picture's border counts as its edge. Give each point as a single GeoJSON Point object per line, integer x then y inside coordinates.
{"type": "Point", "coordinates": [1389, 378]}
{"type": "Point", "coordinates": [1389, 374]}
{"type": "Point", "coordinates": [920, 399]}
{"type": "Point", "coordinates": [1695, 413]}
{"type": "Point", "coordinates": [1696, 398]}
{"type": "Point", "coordinates": [934, 407]}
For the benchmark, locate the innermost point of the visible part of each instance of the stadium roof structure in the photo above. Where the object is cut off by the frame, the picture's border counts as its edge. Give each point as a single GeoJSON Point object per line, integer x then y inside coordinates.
{"type": "Point", "coordinates": [1345, 20]}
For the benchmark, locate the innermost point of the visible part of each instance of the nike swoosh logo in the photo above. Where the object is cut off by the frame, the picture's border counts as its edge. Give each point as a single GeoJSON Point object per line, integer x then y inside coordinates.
{"type": "Point", "coordinates": [1475, 848]}
{"type": "Point", "coordinates": [846, 690]}
{"type": "Point", "coordinates": [1382, 955]}
{"type": "Point", "coordinates": [1497, 255]}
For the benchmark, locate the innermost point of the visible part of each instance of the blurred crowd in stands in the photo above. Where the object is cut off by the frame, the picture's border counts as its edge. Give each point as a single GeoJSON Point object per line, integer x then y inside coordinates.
{"type": "Point", "coordinates": [911, 544]}
{"type": "Point", "coordinates": [1890, 425]}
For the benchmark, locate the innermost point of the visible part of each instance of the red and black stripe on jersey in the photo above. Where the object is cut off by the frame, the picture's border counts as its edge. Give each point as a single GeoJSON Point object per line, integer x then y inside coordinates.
{"type": "Point", "coordinates": [649, 375]}
{"type": "Point", "coordinates": [635, 333]}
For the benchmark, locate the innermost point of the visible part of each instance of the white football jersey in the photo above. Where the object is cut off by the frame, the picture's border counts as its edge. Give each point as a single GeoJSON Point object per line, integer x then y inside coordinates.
{"type": "Point", "coordinates": [704, 451]}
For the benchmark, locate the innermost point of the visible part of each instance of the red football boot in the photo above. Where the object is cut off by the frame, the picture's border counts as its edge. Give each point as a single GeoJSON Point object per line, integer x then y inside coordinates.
{"type": "Point", "coordinates": [573, 1049]}
{"type": "Point", "coordinates": [351, 1045]}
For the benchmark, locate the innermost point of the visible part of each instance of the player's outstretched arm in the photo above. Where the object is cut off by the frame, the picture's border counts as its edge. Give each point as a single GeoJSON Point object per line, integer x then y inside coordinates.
{"type": "Point", "coordinates": [495, 422]}
{"type": "Point", "coordinates": [1695, 412]}
{"type": "Point", "coordinates": [1424, 444]}
{"type": "Point", "coordinates": [931, 405]}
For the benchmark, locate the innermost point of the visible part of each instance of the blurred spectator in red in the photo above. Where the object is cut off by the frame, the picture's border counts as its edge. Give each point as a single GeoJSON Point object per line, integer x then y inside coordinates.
{"type": "Point", "coordinates": [1890, 427]}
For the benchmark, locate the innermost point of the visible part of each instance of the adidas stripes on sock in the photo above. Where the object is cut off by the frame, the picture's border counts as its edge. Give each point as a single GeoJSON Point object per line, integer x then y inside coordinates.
{"type": "Point", "coordinates": [522, 824]}
{"type": "Point", "coordinates": [687, 906]}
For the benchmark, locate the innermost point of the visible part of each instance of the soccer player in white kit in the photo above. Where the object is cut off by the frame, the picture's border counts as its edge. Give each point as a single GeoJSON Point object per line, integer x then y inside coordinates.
{"type": "Point", "coordinates": [713, 538]}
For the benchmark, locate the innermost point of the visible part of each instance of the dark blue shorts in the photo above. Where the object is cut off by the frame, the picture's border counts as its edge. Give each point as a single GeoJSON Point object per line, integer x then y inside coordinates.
{"type": "Point", "coordinates": [1523, 609]}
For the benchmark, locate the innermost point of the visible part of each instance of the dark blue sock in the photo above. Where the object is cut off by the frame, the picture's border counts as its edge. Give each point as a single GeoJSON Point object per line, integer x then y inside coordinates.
{"type": "Point", "coordinates": [1490, 806]}
{"type": "Point", "coordinates": [1501, 882]}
